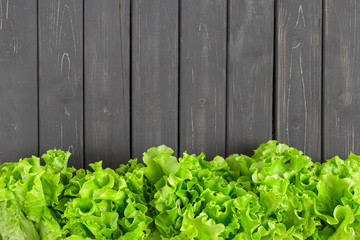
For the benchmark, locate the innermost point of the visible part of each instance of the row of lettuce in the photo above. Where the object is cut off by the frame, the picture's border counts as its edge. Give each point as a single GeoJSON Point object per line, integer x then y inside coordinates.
{"type": "Point", "coordinates": [278, 193]}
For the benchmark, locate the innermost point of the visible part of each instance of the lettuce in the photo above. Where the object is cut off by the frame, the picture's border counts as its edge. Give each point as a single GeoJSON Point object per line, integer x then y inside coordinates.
{"type": "Point", "coordinates": [277, 193]}
{"type": "Point", "coordinates": [106, 204]}
{"type": "Point", "coordinates": [31, 192]}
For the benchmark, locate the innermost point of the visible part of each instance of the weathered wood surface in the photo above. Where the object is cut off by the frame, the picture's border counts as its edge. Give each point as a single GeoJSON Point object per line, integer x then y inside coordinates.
{"type": "Point", "coordinates": [250, 74]}
{"type": "Point", "coordinates": [18, 80]}
{"type": "Point", "coordinates": [203, 77]}
{"type": "Point", "coordinates": [109, 79]}
{"type": "Point", "coordinates": [341, 117]}
{"type": "Point", "coordinates": [107, 71]}
{"type": "Point", "coordinates": [61, 77]}
{"type": "Point", "coordinates": [298, 75]}
{"type": "Point", "coordinates": [154, 75]}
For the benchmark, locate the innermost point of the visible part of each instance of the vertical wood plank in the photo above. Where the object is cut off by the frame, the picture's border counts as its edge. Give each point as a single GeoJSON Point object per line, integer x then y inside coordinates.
{"type": "Point", "coordinates": [341, 78]}
{"type": "Point", "coordinates": [250, 74]}
{"type": "Point", "coordinates": [18, 80]}
{"type": "Point", "coordinates": [203, 77]}
{"type": "Point", "coordinates": [298, 75]}
{"type": "Point", "coordinates": [107, 38]}
{"type": "Point", "coordinates": [61, 77]}
{"type": "Point", "coordinates": [154, 74]}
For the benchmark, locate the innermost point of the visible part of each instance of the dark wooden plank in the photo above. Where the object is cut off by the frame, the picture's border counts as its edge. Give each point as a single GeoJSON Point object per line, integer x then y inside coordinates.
{"type": "Point", "coordinates": [298, 75]}
{"type": "Point", "coordinates": [341, 78]}
{"type": "Point", "coordinates": [61, 77]}
{"type": "Point", "coordinates": [107, 38]}
{"type": "Point", "coordinates": [250, 74]}
{"type": "Point", "coordinates": [154, 74]}
{"type": "Point", "coordinates": [203, 77]}
{"type": "Point", "coordinates": [18, 80]}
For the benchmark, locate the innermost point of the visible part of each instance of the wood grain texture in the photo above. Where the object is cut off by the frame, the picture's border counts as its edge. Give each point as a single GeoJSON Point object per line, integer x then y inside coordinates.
{"type": "Point", "coordinates": [298, 75]}
{"type": "Point", "coordinates": [61, 77]}
{"type": "Point", "coordinates": [341, 78]}
{"type": "Point", "coordinates": [107, 115]}
{"type": "Point", "coordinates": [250, 74]}
{"type": "Point", "coordinates": [18, 80]}
{"type": "Point", "coordinates": [155, 75]}
{"type": "Point", "coordinates": [203, 77]}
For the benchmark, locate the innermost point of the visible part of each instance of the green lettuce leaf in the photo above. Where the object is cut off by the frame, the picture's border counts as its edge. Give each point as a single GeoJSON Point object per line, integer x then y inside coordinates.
{"type": "Point", "coordinates": [277, 193]}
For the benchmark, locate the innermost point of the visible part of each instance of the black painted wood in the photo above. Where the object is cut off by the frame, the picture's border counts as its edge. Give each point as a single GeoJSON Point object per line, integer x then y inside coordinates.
{"type": "Point", "coordinates": [250, 74]}
{"type": "Point", "coordinates": [112, 78]}
{"type": "Point", "coordinates": [203, 77]}
{"type": "Point", "coordinates": [154, 75]}
{"type": "Point", "coordinates": [341, 78]}
{"type": "Point", "coordinates": [61, 77]}
{"type": "Point", "coordinates": [298, 75]}
{"type": "Point", "coordinates": [107, 115]}
{"type": "Point", "coordinates": [18, 80]}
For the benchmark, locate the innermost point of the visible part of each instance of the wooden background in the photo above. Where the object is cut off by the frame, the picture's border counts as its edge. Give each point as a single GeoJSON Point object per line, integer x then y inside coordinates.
{"type": "Point", "coordinates": [108, 79]}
